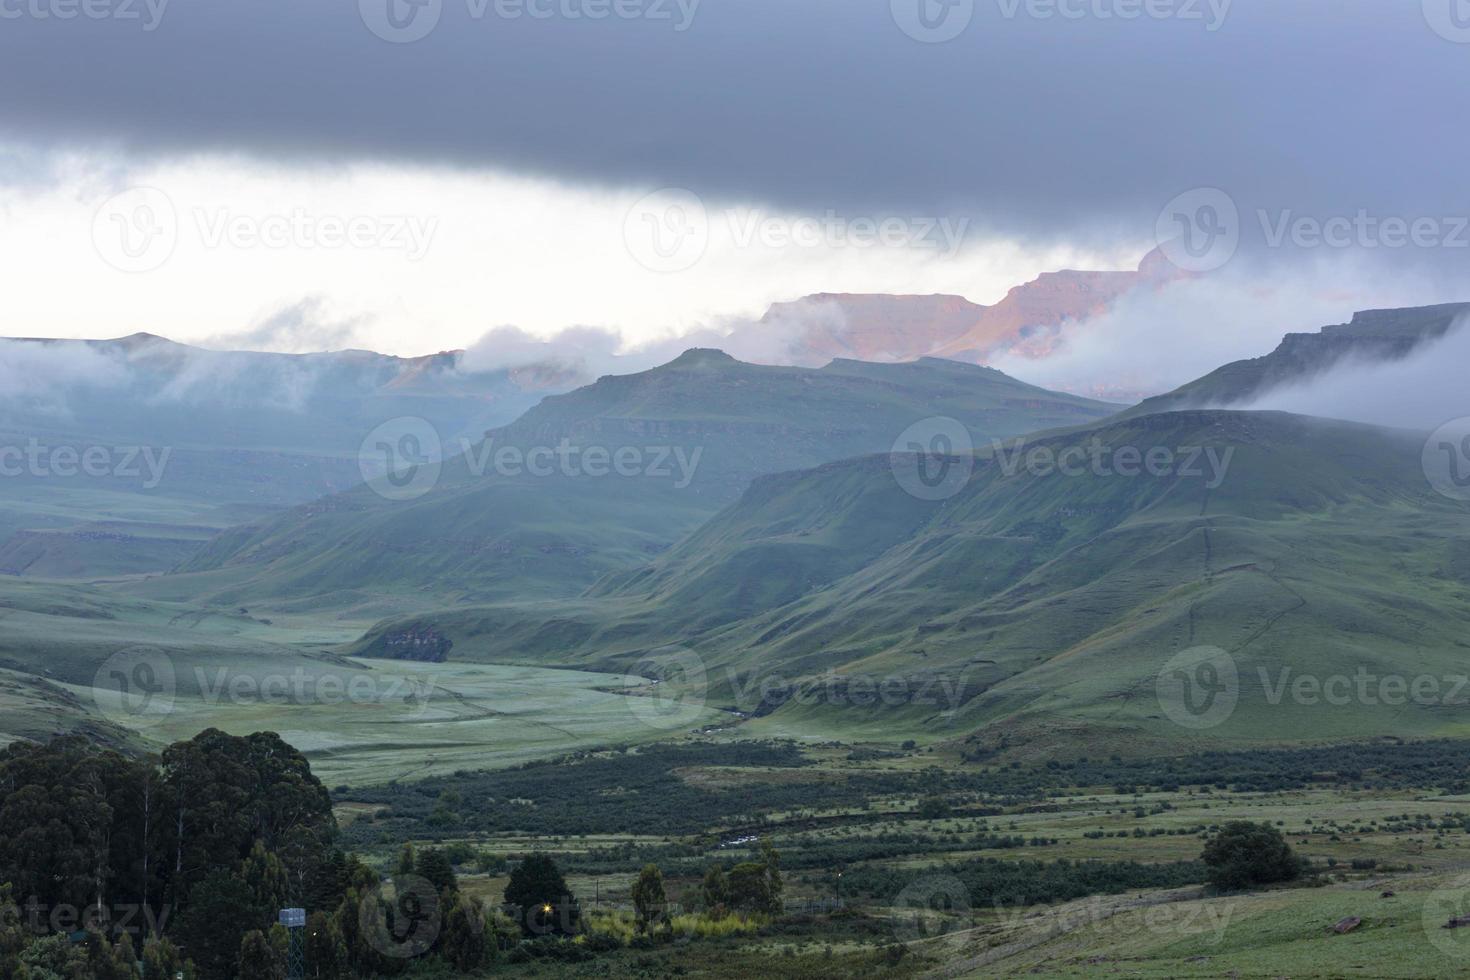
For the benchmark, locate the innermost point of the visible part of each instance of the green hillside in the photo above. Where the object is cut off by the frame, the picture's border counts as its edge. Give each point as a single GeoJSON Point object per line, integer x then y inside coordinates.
{"type": "Point", "coordinates": [696, 432]}
{"type": "Point", "coordinates": [188, 441]}
{"type": "Point", "coordinates": [1043, 606]}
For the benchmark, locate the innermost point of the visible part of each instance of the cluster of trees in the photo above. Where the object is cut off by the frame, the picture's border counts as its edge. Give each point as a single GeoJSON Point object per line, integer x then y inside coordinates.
{"type": "Point", "coordinates": [179, 864]}
{"type": "Point", "coordinates": [623, 792]}
{"type": "Point", "coordinates": [751, 886]}
{"type": "Point", "coordinates": [993, 883]}
{"type": "Point", "coordinates": [187, 851]}
{"type": "Point", "coordinates": [1434, 764]}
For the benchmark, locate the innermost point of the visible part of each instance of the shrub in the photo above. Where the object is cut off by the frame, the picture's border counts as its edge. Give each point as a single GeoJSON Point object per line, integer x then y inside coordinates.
{"type": "Point", "coordinates": [1246, 854]}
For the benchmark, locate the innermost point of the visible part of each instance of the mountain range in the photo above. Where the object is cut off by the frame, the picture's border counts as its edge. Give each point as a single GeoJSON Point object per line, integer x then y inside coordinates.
{"type": "Point", "coordinates": [698, 430]}
{"type": "Point", "coordinates": [1027, 321]}
{"type": "Point", "coordinates": [778, 523]}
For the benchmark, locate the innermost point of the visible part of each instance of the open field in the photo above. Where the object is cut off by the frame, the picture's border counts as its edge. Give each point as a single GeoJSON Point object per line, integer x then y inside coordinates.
{"type": "Point", "coordinates": [1054, 881]}
{"type": "Point", "coordinates": [363, 722]}
{"type": "Point", "coordinates": [1271, 934]}
{"type": "Point", "coordinates": [78, 656]}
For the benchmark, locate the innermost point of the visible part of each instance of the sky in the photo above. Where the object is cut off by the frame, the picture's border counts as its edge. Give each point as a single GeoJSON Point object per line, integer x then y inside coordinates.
{"type": "Point", "coordinates": [412, 175]}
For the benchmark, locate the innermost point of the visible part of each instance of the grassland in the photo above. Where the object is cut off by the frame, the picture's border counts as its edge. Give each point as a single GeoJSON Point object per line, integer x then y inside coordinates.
{"type": "Point", "coordinates": [984, 856]}
{"type": "Point", "coordinates": [242, 670]}
{"type": "Point", "coordinates": [364, 722]}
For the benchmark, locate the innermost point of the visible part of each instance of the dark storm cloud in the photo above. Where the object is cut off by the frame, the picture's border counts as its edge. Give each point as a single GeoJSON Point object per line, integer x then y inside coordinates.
{"type": "Point", "coordinates": [1081, 126]}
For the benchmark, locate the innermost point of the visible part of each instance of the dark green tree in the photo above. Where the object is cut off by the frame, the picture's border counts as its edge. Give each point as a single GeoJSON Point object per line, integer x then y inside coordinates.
{"type": "Point", "coordinates": [540, 899]}
{"type": "Point", "coordinates": [224, 793]}
{"type": "Point", "coordinates": [265, 876]}
{"type": "Point", "coordinates": [406, 862]}
{"type": "Point", "coordinates": [771, 861]}
{"type": "Point", "coordinates": [462, 942]}
{"type": "Point", "coordinates": [435, 868]}
{"type": "Point", "coordinates": [258, 959]}
{"type": "Point", "coordinates": [749, 890]}
{"type": "Point", "coordinates": [326, 952]}
{"type": "Point", "coordinates": [650, 903]}
{"type": "Point", "coordinates": [1244, 854]}
{"type": "Point", "coordinates": [106, 961]}
{"type": "Point", "coordinates": [221, 911]}
{"type": "Point", "coordinates": [12, 933]}
{"type": "Point", "coordinates": [714, 891]}
{"type": "Point", "coordinates": [161, 958]}
{"type": "Point", "coordinates": [53, 958]}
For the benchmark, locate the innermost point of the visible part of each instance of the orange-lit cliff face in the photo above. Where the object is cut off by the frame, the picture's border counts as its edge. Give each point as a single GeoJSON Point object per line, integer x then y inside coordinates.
{"type": "Point", "coordinates": [900, 328]}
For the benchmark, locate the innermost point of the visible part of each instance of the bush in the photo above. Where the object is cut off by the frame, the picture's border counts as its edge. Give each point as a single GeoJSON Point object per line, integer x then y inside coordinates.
{"type": "Point", "coordinates": [1243, 855]}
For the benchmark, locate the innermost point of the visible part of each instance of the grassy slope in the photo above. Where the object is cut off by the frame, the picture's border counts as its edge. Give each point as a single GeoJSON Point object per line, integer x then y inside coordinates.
{"type": "Point", "coordinates": [496, 536]}
{"type": "Point", "coordinates": [1263, 935]}
{"type": "Point", "coordinates": [242, 430]}
{"type": "Point", "coordinates": [1055, 599]}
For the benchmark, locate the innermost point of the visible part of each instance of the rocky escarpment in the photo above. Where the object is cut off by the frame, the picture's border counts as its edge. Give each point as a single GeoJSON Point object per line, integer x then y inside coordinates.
{"type": "Point", "coordinates": [1371, 336]}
